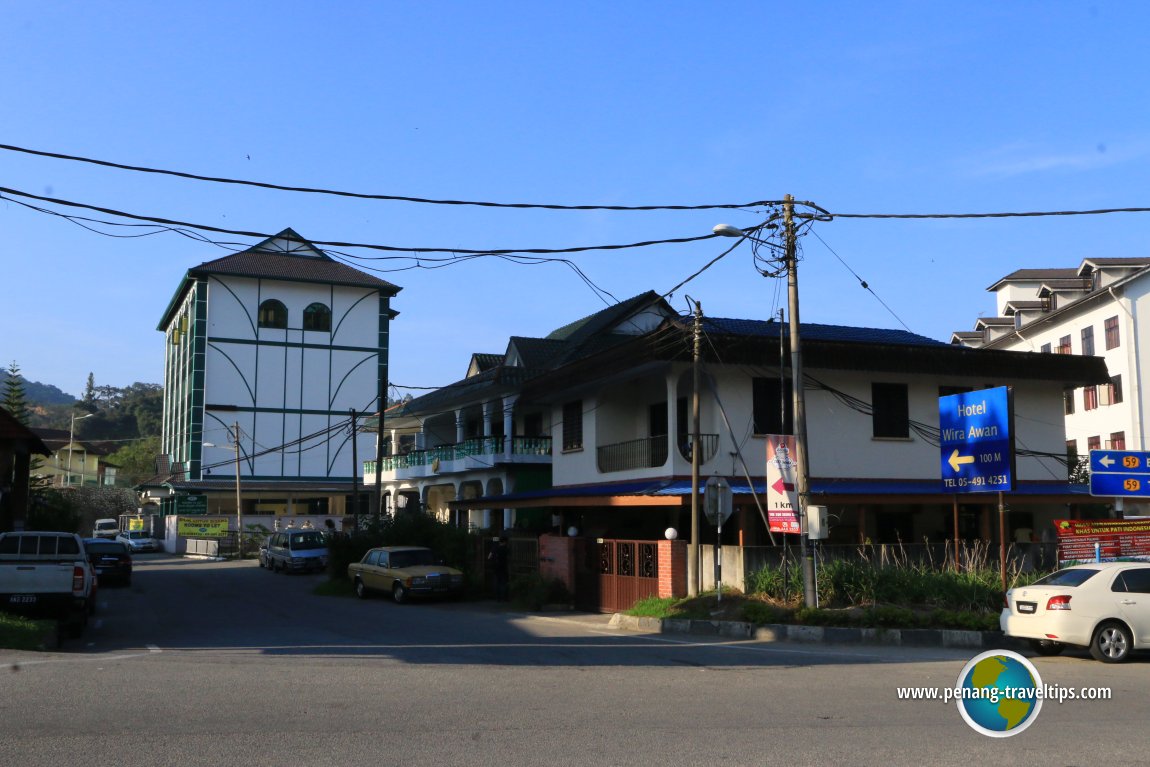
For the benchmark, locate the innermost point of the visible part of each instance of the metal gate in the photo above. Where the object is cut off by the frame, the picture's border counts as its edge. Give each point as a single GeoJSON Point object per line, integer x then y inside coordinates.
{"type": "Point", "coordinates": [612, 575]}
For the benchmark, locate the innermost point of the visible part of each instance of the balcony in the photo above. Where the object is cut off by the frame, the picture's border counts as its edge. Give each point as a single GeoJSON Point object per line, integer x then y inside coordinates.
{"type": "Point", "coordinates": [477, 453]}
{"type": "Point", "coordinates": [650, 452]}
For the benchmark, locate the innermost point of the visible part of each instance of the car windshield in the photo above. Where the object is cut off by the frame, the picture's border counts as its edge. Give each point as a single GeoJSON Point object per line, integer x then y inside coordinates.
{"type": "Point", "coordinates": [304, 541]}
{"type": "Point", "coordinates": [1066, 578]}
{"type": "Point", "coordinates": [137, 535]}
{"type": "Point", "coordinates": [414, 558]}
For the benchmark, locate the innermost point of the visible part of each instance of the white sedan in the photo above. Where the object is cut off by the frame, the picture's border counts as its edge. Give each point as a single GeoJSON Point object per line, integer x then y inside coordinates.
{"type": "Point", "coordinates": [138, 540]}
{"type": "Point", "coordinates": [1104, 606]}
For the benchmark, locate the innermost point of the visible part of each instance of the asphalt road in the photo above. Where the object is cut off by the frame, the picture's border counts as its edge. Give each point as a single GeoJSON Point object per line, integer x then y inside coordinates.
{"type": "Point", "coordinates": [205, 663]}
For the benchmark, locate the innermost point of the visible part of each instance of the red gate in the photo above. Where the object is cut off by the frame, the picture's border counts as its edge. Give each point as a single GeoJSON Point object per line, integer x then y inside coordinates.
{"type": "Point", "coordinates": [612, 575]}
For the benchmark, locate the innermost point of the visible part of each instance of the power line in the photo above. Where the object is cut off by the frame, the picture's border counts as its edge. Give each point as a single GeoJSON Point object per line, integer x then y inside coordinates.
{"type": "Point", "coordinates": [340, 244]}
{"type": "Point", "coordinates": [1031, 214]}
{"type": "Point", "coordinates": [368, 196]}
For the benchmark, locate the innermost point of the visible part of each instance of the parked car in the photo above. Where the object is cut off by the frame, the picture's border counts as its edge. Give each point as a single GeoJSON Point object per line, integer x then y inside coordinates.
{"type": "Point", "coordinates": [404, 571]}
{"type": "Point", "coordinates": [47, 575]}
{"type": "Point", "coordinates": [112, 560]}
{"type": "Point", "coordinates": [295, 551]}
{"type": "Point", "coordinates": [138, 540]}
{"type": "Point", "coordinates": [1104, 607]}
{"type": "Point", "coordinates": [106, 528]}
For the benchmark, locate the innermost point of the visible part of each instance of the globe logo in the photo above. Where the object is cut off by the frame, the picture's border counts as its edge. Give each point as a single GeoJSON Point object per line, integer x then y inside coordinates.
{"type": "Point", "coordinates": [999, 693]}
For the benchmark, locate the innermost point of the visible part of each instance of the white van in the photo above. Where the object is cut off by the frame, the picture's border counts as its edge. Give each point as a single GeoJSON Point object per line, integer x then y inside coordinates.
{"type": "Point", "coordinates": [106, 528]}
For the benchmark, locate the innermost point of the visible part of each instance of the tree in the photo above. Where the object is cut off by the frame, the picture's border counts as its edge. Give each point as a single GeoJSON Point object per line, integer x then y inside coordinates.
{"type": "Point", "coordinates": [14, 399]}
{"type": "Point", "coordinates": [90, 391]}
{"type": "Point", "coordinates": [136, 461]}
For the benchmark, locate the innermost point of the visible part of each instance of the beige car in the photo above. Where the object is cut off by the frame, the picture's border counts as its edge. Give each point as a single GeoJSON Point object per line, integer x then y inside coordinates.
{"type": "Point", "coordinates": [403, 572]}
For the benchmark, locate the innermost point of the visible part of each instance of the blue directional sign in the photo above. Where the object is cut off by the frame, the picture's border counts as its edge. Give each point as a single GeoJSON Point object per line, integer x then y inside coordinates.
{"type": "Point", "coordinates": [1120, 472]}
{"type": "Point", "coordinates": [977, 441]}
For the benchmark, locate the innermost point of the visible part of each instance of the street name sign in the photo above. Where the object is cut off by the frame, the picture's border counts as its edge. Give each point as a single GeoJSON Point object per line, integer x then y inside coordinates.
{"type": "Point", "coordinates": [977, 441]}
{"type": "Point", "coordinates": [1123, 473]}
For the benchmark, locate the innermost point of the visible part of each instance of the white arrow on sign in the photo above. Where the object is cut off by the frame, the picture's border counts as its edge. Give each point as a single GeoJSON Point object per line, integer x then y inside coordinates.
{"type": "Point", "coordinates": [1106, 461]}
{"type": "Point", "coordinates": [957, 460]}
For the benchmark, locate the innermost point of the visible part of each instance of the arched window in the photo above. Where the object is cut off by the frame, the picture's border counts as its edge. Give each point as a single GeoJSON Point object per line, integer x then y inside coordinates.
{"type": "Point", "coordinates": [317, 317]}
{"type": "Point", "coordinates": [273, 314]}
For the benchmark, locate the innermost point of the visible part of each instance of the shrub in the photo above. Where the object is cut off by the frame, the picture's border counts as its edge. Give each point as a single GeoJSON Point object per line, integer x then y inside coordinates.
{"type": "Point", "coordinates": [404, 529]}
{"type": "Point", "coordinates": [533, 591]}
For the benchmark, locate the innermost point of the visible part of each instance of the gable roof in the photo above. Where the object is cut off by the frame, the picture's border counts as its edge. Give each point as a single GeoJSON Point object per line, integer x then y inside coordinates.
{"type": "Point", "coordinates": [1034, 275]}
{"type": "Point", "coordinates": [14, 433]}
{"type": "Point", "coordinates": [287, 257]}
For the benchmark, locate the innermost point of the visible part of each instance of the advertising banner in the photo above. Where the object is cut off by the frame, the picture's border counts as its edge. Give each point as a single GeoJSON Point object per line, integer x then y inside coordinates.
{"type": "Point", "coordinates": [1116, 539]}
{"type": "Point", "coordinates": [202, 527]}
{"type": "Point", "coordinates": [782, 501]}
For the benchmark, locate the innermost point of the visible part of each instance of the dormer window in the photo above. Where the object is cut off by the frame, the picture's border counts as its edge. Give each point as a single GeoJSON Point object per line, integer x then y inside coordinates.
{"type": "Point", "coordinates": [273, 314]}
{"type": "Point", "coordinates": [317, 317]}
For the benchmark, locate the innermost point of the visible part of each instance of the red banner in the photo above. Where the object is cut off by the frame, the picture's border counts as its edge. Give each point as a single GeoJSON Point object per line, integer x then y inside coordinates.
{"type": "Point", "coordinates": [1115, 539]}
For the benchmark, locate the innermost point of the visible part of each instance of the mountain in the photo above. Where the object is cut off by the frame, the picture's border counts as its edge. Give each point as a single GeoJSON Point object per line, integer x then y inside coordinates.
{"type": "Point", "coordinates": [41, 394]}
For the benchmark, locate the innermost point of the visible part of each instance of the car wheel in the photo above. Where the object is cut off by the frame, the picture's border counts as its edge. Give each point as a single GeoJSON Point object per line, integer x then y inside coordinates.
{"type": "Point", "coordinates": [1111, 643]}
{"type": "Point", "coordinates": [1047, 647]}
{"type": "Point", "coordinates": [360, 589]}
{"type": "Point", "coordinates": [399, 593]}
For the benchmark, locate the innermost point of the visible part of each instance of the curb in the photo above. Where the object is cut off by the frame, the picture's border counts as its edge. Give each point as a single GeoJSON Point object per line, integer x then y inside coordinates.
{"type": "Point", "coordinates": [781, 632]}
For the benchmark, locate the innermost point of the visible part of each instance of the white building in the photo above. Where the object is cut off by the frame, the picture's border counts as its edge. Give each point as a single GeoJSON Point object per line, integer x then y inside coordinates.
{"type": "Point", "coordinates": [1100, 308]}
{"type": "Point", "coordinates": [282, 342]}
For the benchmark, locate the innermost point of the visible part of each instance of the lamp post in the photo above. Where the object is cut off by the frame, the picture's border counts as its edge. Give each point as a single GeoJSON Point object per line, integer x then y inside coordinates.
{"type": "Point", "coordinates": [71, 441]}
{"type": "Point", "coordinates": [810, 596]}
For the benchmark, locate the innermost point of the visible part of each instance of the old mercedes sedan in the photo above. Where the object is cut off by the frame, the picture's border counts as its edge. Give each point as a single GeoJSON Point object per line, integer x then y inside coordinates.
{"type": "Point", "coordinates": [404, 572]}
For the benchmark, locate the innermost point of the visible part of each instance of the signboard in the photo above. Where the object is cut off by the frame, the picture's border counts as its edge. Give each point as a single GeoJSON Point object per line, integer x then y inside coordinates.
{"type": "Point", "coordinates": [977, 441]}
{"type": "Point", "coordinates": [1120, 473]}
{"type": "Point", "coordinates": [718, 501]}
{"type": "Point", "coordinates": [135, 524]}
{"type": "Point", "coordinates": [1116, 539]}
{"type": "Point", "coordinates": [782, 503]}
{"type": "Point", "coordinates": [202, 527]}
{"type": "Point", "coordinates": [191, 504]}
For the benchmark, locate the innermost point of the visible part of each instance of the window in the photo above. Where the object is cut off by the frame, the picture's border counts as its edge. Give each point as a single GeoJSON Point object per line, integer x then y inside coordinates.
{"type": "Point", "coordinates": [1111, 333]}
{"type": "Point", "coordinates": [772, 406]}
{"type": "Point", "coordinates": [1094, 443]}
{"type": "Point", "coordinates": [1115, 387]}
{"type": "Point", "coordinates": [1045, 349]}
{"type": "Point", "coordinates": [1068, 403]}
{"type": "Point", "coordinates": [317, 317]}
{"type": "Point", "coordinates": [1088, 341]}
{"type": "Point", "coordinates": [273, 314]}
{"type": "Point", "coordinates": [891, 410]}
{"type": "Point", "coordinates": [573, 425]}
{"type": "Point", "coordinates": [1071, 453]}
{"type": "Point", "coordinates": [1136, 580]}
{"type": "Point", "coordinates": [1117, 441]}
{"type": "Point", "coordinates": [1090, 398]}
{"type": "Point", "coordinates": [1064, 345]}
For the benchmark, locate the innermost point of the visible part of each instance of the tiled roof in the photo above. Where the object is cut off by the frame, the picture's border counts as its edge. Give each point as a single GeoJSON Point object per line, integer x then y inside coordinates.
{"type": "Point", "coordinates": [595, 323]}
{"type": "Point", "coordinates": [271, 262]}
{"type": "Point", "coordinates": [14, 431]}
{"type": "Point", "coordinates": [484, 362]}
{"type": "Point", "coordinates": [1031, 275]}
{"type": "Point", "coordinates": [817, 332]}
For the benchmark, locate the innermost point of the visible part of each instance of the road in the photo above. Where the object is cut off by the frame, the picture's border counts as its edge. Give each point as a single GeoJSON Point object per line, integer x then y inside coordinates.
{"type": "Point", "coordinates": [210, 663]}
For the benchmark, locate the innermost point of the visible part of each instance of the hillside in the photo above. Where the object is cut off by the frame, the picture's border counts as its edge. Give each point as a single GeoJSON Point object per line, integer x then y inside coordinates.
{"type": "Point", "coordinates": [40, 393]}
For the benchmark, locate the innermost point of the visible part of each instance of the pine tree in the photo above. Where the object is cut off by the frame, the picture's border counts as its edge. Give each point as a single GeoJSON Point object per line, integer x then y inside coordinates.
{"type": "Point", "coordinates": [14, 400]}
{"type": "Point", "coordinates": [90, 391]}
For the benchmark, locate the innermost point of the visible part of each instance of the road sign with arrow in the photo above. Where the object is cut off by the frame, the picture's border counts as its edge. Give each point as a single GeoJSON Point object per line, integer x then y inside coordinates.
{"type": "Point", "coordinates": [1120, 472]}
{"type": "Point", "coordinates": [977, 441]}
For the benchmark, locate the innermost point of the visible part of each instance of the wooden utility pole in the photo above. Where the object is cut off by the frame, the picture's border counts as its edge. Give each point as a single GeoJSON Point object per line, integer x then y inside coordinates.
{"type": "Point", "coordinates": [239, 498]}
{"type": "Point", "coordinates": [693, 565]}
{"type": "Point", "coordinates": [355, 467]}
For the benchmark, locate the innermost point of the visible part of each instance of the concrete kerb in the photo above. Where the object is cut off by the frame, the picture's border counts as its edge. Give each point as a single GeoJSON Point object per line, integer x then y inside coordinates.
{"type": "Point", "coordinates": [778, 632]}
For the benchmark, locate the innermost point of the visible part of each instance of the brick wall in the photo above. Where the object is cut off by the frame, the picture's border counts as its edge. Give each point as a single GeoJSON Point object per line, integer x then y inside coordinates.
{"type": "Point", "coordinates": [672, 569]}
{"type": "Point", "coordinates": [557, 559]}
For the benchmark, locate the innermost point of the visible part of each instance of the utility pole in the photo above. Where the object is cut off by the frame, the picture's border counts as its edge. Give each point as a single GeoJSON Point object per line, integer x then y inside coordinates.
{"type": "Point", "coordinates": [239, 498]}
{"type": "Point", "coordinates": [693, 568]}
{"type": "Point", "coordinates": [355, 466]}
{"type": "Point", "coordinates": [802, 487]}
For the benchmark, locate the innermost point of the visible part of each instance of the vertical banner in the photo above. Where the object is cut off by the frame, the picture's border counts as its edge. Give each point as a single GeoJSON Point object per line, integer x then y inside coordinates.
{"type": "Point", "coordinates": [782, 503]}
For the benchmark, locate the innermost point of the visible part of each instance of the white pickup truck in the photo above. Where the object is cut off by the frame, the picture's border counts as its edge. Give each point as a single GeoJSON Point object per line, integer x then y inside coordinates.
{"type": "Point", "coordinates": [47, 575]}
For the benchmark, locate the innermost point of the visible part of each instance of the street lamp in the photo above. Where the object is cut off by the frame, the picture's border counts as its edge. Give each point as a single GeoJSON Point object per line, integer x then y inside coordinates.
{"type": "Point", "coordinates": [239, 496]}
{"type": "Point", "coordinates": [810, 596]}
{"type": "Point", "coordinates": [71, 440]}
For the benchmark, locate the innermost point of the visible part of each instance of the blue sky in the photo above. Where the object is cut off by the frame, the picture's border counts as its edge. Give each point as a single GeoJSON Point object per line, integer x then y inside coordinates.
{"type": "Point", "coordinates": [918, 107]}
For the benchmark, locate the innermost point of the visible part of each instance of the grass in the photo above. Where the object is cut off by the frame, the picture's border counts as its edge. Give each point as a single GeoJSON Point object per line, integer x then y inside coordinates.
{"type": "Point", "coordinates": [18, 633]}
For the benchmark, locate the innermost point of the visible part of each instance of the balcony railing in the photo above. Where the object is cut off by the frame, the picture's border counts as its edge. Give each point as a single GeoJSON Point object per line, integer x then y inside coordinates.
{"type": "Point", "coordinates": [710, 443]}
{"type": "Point", "coordinates": [479, 446]}
{"type": "Point", "coordinates": [633, 454]}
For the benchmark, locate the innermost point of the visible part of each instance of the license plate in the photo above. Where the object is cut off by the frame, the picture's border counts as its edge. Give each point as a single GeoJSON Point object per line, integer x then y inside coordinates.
{"type": "Point", "coordinates": [22, 599]}
{"type": "Point", "coordinates": [1027, 607]}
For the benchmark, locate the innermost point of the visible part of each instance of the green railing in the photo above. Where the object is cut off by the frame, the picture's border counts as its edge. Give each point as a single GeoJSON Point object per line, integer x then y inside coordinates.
{"type": "Point", "coordinates": [478, 446]}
